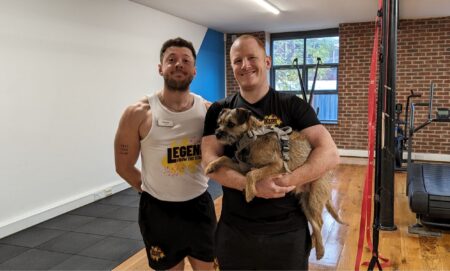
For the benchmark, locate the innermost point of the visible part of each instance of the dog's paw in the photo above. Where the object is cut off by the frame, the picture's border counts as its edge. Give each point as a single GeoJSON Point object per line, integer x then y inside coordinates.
{"type": "Point", "coordinates": [249, 196]}
{"type": "Point", "coordinates": [249, 192]}
{"type": "Point", "coordinates": [320, 251]}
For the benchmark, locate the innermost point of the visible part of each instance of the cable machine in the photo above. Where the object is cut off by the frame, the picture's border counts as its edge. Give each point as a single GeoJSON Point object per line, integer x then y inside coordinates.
{"type": "Point", "coordinates": [383, 211]}
{"type": "Point", "coordinates": [385, 132]}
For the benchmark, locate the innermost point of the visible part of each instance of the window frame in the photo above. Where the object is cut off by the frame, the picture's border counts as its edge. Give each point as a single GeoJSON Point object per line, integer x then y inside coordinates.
{"type": "Point", "coordinates": [305, 35]}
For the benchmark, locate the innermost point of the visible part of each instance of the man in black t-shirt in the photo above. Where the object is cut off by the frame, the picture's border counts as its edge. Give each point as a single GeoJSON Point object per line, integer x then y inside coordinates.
{"type": "Point", "coordinates": [270, 232]}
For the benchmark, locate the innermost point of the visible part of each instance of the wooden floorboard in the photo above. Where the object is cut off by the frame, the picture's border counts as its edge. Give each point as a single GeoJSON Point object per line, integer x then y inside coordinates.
{"type": "Point", "coordinates": [404, 250]}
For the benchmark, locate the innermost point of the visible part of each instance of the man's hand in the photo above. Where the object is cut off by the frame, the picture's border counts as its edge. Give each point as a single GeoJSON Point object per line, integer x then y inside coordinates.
{"type": "Point", "coordinates": [275, 186]}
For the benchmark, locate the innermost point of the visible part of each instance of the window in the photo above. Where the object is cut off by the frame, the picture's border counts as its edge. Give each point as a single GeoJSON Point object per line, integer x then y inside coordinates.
{"type": "Point", "coordinates": [306, 47]}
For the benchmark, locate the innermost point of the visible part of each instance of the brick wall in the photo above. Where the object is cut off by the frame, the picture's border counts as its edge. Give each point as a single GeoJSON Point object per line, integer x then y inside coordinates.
{"type": "Point", "coordinates": [353, 72]}
{"type": "Point", "coordinates": [423, 55]}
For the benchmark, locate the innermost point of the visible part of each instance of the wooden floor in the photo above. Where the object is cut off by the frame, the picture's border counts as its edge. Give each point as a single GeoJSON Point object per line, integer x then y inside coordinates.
{"type": "Point", "coordinates": [405, 251]}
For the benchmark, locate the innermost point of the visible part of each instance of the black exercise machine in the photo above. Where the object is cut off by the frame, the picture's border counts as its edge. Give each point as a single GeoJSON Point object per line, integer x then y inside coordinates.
{"type": "Point", "coordinates": [428, 185]}
{"type": "Point", "coordinates": [303, 85]}
{"type": "Point", "coordinates": [401, 132]}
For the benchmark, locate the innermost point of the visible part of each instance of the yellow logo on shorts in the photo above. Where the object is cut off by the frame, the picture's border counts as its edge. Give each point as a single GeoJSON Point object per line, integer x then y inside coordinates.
{"type": "Point", "coordinates": [156, 253]}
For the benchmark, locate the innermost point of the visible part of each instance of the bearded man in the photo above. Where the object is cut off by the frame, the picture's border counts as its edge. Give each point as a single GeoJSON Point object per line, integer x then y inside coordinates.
{"type": "Point", "coordinates": [176, 213]}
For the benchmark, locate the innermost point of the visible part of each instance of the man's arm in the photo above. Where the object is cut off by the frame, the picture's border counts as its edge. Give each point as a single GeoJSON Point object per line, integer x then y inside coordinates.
{"type": "Point", "coordinates": [267, 188]}
{"type": "Point", "coordinates": [211, 150]}
{"type": "Point", "coordinates": [323, 157]}
{"type": "Point", "coordinates": [127, 144]}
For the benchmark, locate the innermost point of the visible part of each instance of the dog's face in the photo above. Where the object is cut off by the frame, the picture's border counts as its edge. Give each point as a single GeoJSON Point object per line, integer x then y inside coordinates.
{"type": "Point", "coordinates": [232, 125]}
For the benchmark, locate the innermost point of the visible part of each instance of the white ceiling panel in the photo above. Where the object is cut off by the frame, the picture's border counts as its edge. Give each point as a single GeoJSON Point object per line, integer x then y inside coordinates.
{"type": "Point", "coordinates": [230, 16]}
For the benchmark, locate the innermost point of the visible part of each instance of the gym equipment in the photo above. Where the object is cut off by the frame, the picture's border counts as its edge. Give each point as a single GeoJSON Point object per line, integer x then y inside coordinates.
{"type": "Point", "coordinates": [428, 185]}
{"type": "Point", "coordinates": [383, 186]}
{"type": "Point", "coordinates": [385, 124]}
{"type": "Point", "coordinates": [401, 131]}
{"type": "Point", "coordinates": [303, 85]}
{"type": "Point", "coordinates": [399, 140]}
{"type": "Point", "coordinates": [300, 78]}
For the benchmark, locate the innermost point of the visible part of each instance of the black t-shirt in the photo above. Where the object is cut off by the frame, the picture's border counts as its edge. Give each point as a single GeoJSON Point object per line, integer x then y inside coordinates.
{"type": "Point", "coordinates": [263, 215]}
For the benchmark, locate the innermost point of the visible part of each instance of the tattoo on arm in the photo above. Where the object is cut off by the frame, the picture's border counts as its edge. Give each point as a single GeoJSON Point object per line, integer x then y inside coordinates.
{"type": "Point", "coordinates": [123, 149]}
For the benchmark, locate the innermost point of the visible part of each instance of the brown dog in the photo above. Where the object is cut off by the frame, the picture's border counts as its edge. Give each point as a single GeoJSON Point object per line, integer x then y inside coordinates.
{"type": "Point", "coordinates": [261, 156]}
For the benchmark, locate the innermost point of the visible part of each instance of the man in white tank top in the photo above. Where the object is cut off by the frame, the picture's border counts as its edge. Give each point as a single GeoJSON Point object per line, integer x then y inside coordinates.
{"type": "Point", "coordinates": [176, 214]}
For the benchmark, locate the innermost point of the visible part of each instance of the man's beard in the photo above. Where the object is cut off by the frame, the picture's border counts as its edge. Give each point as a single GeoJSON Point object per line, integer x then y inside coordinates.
{"type": "Point", "coordinates": [172, 84]}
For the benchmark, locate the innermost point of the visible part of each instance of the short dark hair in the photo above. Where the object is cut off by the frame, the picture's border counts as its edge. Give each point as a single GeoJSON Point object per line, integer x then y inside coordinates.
{"type": "Point", "coordinates": [177, 42]}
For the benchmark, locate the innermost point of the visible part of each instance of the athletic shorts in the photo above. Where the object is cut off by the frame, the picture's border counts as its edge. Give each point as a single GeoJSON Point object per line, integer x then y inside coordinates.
{"type": "Point", "coordinates": [174, 230]}
{"type": "Point", "coordinates": [246, 250]}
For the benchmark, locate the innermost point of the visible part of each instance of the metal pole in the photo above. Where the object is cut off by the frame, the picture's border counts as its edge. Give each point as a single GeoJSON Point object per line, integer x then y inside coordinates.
{"type": "Point", "coordinates": [387, 181]}
{"type": "Point", "coordinates": [379, 128]}
{"type": "Point", "coordinates": [311, 96]}
{"type": "Point", "coordinates": [302, 85]}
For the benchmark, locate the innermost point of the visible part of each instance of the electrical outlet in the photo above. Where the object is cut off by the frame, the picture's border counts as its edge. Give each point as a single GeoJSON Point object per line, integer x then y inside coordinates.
{"type": "Point", "coordinates": [98, 196]}
{"type": "Point", "coordinates": [103, 193]}
{"type": "Point", "coordinates": [107, 192]}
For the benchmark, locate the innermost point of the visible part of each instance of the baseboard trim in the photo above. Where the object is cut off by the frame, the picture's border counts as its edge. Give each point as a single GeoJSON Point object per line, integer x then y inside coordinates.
{"type": "Point", "coordinates": [50, 211]}
{"type": "Point", "coordinates": [37, 216]}
{"type": "Point", "coordinates": [353, 153]}
{"type": "Point", "coordinates": [431, 157]}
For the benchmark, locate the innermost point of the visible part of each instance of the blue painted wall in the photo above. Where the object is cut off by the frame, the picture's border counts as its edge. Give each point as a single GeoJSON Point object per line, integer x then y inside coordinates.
{"type": "Point", "coordinates": [210, 79]}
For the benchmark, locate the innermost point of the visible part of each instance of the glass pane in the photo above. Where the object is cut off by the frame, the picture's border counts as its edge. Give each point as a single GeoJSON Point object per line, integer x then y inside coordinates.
{"type": "Point", "coordinates": [286, 80]}
{"type": "Point", "coordinates": [327, 106]}
{"type": "Point", "coordinates": [325, 48]}
{"type": "Point", "coordinates": [284, 51]}
{"type": "Point", "coordinates": [326, 79]}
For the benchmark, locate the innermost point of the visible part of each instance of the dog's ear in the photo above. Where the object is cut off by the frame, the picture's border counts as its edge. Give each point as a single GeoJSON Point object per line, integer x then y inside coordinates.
{"type": "Point", "coordinates": [223, 111]}
{"type": "Point", "coordinates": [242, 115]}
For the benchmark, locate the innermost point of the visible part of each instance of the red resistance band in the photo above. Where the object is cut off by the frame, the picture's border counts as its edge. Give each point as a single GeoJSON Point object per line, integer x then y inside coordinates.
{"type": "Point", "coordinates": [364, 224]}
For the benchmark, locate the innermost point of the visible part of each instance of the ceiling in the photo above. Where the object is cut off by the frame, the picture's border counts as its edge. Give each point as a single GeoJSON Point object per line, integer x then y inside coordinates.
{"type": "Point", "coordinates": [236, 16]}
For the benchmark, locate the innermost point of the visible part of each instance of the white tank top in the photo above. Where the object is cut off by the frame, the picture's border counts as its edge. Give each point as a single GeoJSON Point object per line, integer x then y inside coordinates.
{"type": "Point", "coordinates": [170, 153]}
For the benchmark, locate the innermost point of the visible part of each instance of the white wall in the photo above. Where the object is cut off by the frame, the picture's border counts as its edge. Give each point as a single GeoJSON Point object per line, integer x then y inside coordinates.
{"type": "Point", "coordinates": [68, 69]}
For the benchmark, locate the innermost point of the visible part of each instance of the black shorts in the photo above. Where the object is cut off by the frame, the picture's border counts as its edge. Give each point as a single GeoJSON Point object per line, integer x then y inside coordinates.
{"type": "Point", "coordinates": [246, 250]}
{"type": "Point", "coordinates": [174, 230]}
